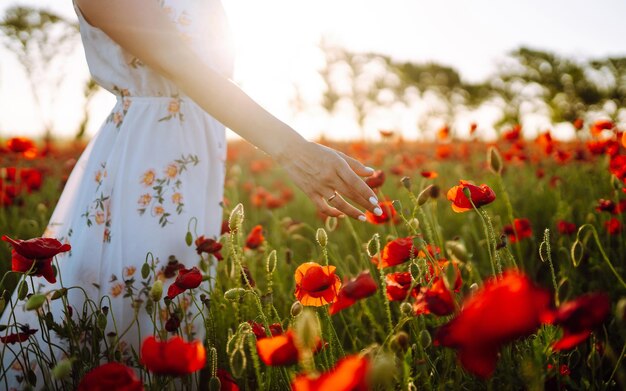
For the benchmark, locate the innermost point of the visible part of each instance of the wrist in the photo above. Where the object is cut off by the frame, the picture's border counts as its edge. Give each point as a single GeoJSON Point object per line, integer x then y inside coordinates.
{"type": "Point", "coordinates": [286, 146]}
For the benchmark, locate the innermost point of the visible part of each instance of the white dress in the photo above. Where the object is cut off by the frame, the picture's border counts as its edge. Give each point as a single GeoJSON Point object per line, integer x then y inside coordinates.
{"type": "Point", "coordinates": [156, 163]}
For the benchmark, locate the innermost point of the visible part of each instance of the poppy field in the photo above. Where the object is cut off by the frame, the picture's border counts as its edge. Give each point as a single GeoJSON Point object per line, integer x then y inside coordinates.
{"type": "Point", "coordinates": [495, 265]}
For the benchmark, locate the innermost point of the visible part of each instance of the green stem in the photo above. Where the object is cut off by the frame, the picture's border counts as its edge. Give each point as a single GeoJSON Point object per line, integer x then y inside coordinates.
{"type": "Point", "coordinates": [604, 256]}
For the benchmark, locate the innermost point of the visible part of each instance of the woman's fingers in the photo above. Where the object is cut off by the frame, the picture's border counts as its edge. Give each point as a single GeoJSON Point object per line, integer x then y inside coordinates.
{"type": "Point", "coordinates": [356, 166]}
{"type": "Point", "coordinates": [341, 204]}
{"type": "Point", "coordinates": [325, 207]}
{"type": "Point", "coordinates": [357, 190]}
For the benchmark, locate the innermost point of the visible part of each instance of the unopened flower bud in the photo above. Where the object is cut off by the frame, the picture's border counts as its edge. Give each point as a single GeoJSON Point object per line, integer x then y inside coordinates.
{"type": "Point", "coordinates": [401, 341]}
{"type": "Point", "coordinates": [296, 308]}
{"type": "Point", "coordinates": [473, 288]}
{"type": "Point", "coordinates": [236, 218]}
{"type": "Point", "coordinates": [406, 309]}
{"type": "Point", "coordinates": [35, 301]}
{"type": "Point", "coordinates": [373, 246]}
{"type": "Point", "coordinates": [331, 223]}
{"type": "Point", "coordinates": [321, 237]}
{"type": "Point", "coordinates": [406, 182]}
{"type": "Point", "coordinates": [62, 369]}
{"type": "Point", "coordinates": [620, 310]}
{"type": "Point", "coordinates": [270, 264]}
{"type": "Point", "coordinates": [234, 294]}
{"type": "Point", "coordinates": [238, 362]}
{"type": "Point", "coordinates": [397, 205]}
{"type": "Point", "coordinates": [156, 291]}
{"type": "Point", "coordinates": [434, 192]}
{"type": "Point", "coordinates": [215, 384]}
{"type": "Point", "coordinates": [424, 196]}
{"type": "Point", "coordinates": [307, 329]}
{"type": "Point", "coordinates": [495, 160]}
{"type": "Point", "coordinates": [456, 250]}
{"type": "Point", "coordinates": [425, 339]}
{"type": "Point", "coordinates": [414, 223]}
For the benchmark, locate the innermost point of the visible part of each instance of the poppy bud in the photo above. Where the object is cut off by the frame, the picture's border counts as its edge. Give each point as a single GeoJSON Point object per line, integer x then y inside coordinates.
{"type": "Point", "coordinates": [406, 182]}
{"type": "Point", "coordinates": [434, 192]}
{"type": "Point", "coordinates": [172, 324]}
{"type": "Point", "coordinates": [3, 303]}
{"type": "Point", "coordinates": [450, 276]}
{"type": "Point", "coordinates": [238, 361]}
{"type": "Point", "coordinates": [215, 384]}
{"type": "Point", "coordinates": [401, 341]}
{"type": "Point", "coordinates": [456, 250]}
{"type": "Point", "coordinates": [22, 290]}
{"type": "Point", "coordinates": [414, 223]}
{"type": "Point", "coordinates": [59, 293]}
{"type": "Point", "coordinates": [236, 218]}
{"type": "Point", "coordinates": [495, 160]}
{"type": "Point", "coordinates": [35, 301]}
{"type": "Point", "coordinates": [397, 205]}
{"type": "Point", "coordinates": [425, 339]}
{"type": "Point", "coordinates": [373, 246]}
{"type": "Point", "coordinates": [188, 239]}
{"type": "Point", "coordinates": [406, 309]}
{"type": "Point", "coordinates": [307, 329]}
{"type": "Point", "coordinates": [620, 310]}
{"type": "Point", "coordinates": [62, 369]}
{"type": "Point", "coordinates": [321, 237]}
{"type": "Point", "coordinates": [424, 196]}
{"type": "Point", "coordinates": [473, 287]}
{"type": "Point", "coordinates": [615, 182]}
{"type": "Point", "coordinates": [331, 223]}
{"type": "Point", "coordinates": [101, 321]}
{"type": "Point", "coordinates": [157, 290]}
{"type": "Point", "coordinates": [296, 308]}
{"type": "Point", "coordinates": [145, 270]}
{"type": "Point", "coordinates": [234, 294]}
{"type": "Point", "coordinates": [576, 252]}
{"type": "Point", "coordinates": [270, 265]}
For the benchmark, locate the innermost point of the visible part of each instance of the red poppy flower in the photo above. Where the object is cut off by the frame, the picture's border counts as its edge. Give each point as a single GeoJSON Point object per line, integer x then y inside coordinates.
{"type": "Point", "coordinates": [173, 357]}
{"type": "Point", "coordinates": [512, 134]}
{"type": "Point", "coordinates": [443, 133]}
{"type": "Point", "coordinates": [579, 317]}
{"type": "Point", "coordinates": [613, 226]}
{"type": "Point", "coordinates": [225, 228]}
{"type": "Point", "coordinates": [20, 144]}
{"type": "Point", "coordinates": [443, 151]}
{"type": "Point", "coordinates": [279, 350]}
{"type": "Point", "coordinates": [37, 248]}
{"type": "Point", "coordinates": [316, 285]}
{"type": "Point", "coordinates": [396, 252]}
{"type": "Point", "coordinates": [565, 227]}
{"type": "Point", "coordinates": [605, 206]}
{"type": "Point", "coordinates": [227, 383]}
{"type": "Point", "coordinates": [481, 195]}
{"type": "Point", "coordinates": [255, 238]}
{"type": "Point", "coordinates": [578, 123]}
{"type": "Point", "coordinates": [385, 133]}
{"type": "Point", "coordinates": [436, 299]}
{"type": "Point", "coordinates": [522, 228]}
{"type": "Point", "coordinates": [110, 376]}
{"type": "Point", "coordinates": [600, 125]}
{"type": "Point", "coordinates": [209, 246]}
{"type": "Point", "coordinates": [172, 324]}
{"type": "Point", "coordinates": [42, 268]}
{"type": "Point", "coordinates": [376, 180]}
{"type": "Point", "coordinates": [187, 279]}
{"type": "Point", "coordinates": [429, 174]}
{"type": "Point", "coordinates": [172, 267]}
{"type": "Point", "coordinates": [389, 214]}
{"type": "Point", "coordinates": [503, 310]}
{"type": "Point", "coordinates": [349, 374]}
{"type": "Point", "coordinates": [259, 330]}
{"type": "Point", "coordinates": [358, 288]}
{"type": "Point", "coordinates": [398, 285]}
{"type": "Point", "coordinates": [18, 337]}
{"type": "Point", "coordinates": [442, 266]}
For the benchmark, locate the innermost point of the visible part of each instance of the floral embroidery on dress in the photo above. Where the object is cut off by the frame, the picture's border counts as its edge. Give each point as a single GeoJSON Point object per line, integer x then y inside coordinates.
{"type": "Point", "coordinates": [164, 190]}
{"type": "Point", "coordinates": [117, 117]}
{"type": "Point", "coordinates": [98, 211]}
{"type": "Point", "coordinates": [173, 109]}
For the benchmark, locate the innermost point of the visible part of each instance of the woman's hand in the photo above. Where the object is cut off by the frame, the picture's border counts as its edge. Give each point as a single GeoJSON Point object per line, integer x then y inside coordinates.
{"type": "Point", "coordinates": [327, 176]}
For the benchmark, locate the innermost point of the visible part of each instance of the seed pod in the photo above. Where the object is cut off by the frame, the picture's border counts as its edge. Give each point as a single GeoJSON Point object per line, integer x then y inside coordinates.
{"type": "Point", "coordinates": [296, 308]}
{"type": "Point", "coordinates": [321, 237]}
{"type": "Point", "coordinates": [35, 301]}
{"type": "Point", "coordinates": [156, 291]}
{"type": "Point", "coordinates": [424, 196]}
{"type": "Point", "coordinates": [495, 160]}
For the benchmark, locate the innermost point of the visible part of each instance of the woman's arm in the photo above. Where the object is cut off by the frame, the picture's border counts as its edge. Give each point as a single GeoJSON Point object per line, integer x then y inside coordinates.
{"type": "Point", "coordinates": [143, 29]}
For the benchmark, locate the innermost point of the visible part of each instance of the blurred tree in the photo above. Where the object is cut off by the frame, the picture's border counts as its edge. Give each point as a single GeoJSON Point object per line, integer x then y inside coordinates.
{"type": "Point", "coordinates": [40, 40]}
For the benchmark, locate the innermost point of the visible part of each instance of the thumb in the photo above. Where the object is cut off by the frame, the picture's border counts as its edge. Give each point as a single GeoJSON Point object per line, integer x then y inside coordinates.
{"type": "Point", "coordinates": [357, 166]}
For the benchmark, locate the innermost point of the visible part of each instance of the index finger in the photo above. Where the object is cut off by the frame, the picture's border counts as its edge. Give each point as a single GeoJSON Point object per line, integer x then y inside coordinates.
{"type": "Point", "coordinates": [358, 191]}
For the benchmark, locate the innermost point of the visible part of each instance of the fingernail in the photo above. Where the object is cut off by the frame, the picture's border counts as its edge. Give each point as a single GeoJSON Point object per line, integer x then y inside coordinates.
{"type": "Point", "coordinates": [373, 200]}
{"type": "Point", "coordinates": [362, 217]}
{"type": "Point", "coordinates": [378, 211]}
{"type": "Point", "coordinates": [369, 169]}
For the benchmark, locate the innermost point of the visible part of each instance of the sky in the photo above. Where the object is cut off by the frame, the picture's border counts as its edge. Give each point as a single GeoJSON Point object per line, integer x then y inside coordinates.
{"type": "Point", "coordinates": [276, 46]}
